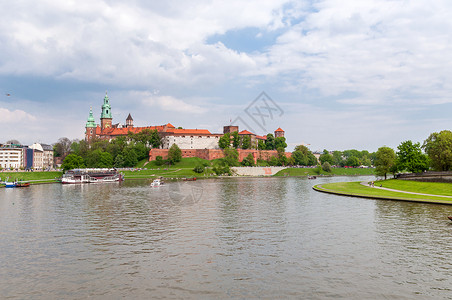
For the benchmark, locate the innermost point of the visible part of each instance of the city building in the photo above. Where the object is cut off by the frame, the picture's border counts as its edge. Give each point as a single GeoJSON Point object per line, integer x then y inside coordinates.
{"type": "Point", "coordinates": [11, 156]}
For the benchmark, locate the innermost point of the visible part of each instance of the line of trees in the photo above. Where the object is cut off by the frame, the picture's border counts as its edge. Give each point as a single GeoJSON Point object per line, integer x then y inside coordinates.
{"type": "Point", "coordinates": [123, 151]}
{"type": "Point", "coordinates": [435, 154]}
{"type": "Point", "coordinates": [235, 141]}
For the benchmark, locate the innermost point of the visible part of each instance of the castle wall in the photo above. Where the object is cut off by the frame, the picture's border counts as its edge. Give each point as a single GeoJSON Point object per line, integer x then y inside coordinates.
{"type": "Point", "coordinates": [211, 154]}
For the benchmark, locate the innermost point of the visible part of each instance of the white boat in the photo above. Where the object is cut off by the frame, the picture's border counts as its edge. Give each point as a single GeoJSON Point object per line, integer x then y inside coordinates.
{"type": "Point", "coordinates": [157, 183]}
{"type": "Point", "coordinates": [91, 176]}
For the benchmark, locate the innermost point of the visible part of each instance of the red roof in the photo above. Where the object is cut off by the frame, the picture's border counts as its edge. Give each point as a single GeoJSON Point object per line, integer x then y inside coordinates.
{"type": "Point", "coordinates": [169, 125]}
{"type": "Point", "coordinates": [279, 129]}
{"type": "Point", "coordinates": [261, 137]}
{"type": "Point", "coordinates": [246, 132]}
{"type": "Point", "coordinates": [189, 131]}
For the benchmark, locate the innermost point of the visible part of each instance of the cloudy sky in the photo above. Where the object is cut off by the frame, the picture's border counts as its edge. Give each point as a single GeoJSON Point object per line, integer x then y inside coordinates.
{"type": "Point", "coordinates": [336, 74]}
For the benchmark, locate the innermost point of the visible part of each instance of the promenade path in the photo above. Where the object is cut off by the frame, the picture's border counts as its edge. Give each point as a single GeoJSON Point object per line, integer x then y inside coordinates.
{"type": "Point", "coordinates": [365, 183]}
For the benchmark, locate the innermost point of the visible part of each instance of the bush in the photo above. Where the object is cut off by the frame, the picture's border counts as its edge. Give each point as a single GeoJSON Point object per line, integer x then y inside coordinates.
{"type": "Point", "coordinates": [318, 170]}
{"type": "Point", "coordinates": [326, 167]}
{"type": "Point", "coordinates": [159, 160]}
{"type": "Point", "coordinates": [198, 169]}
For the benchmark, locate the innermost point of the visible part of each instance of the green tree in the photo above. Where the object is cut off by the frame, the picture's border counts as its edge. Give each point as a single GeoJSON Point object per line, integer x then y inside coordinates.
{"type": "Point", "coordinates": [130, 157]}
{"type": "Point", "coordinates": [326, 157]}
{"type": "Point", "coordinates": [235, 139]}
{"type": "Point", "coordinates": [119, 161]}
{"type": "Point", "coordinates": [352, 161]}
{"type": "Point", "coordinates": [438, 147]}
{"type": "Point", "coordinates": [224, 141]}
{"type": "Point", "coordinates": [147, 137]}
{"type": "Point", "coordinates": [282, 158]}
{"type": "Point", "coordinates": [198, 169]}
{"type": "Point", "coordinates": [299, 158]}
{"type": "Point", "coordinates": [411, 158]}
{"type": "Point", "coordinates": [326, 167]}
{"type": "Point", "coordinates": [385, 161]}
{"type": "Point", "coordinates": [72, 161]}
{"type": "Point", "coordinates": [248, 161]}
{"type": "Point", "coordinates": [280, 142]}
{"type": "Point", "coordinates": [246, 142]}
{"type": "Point", "coordinates": [231, 157]}
{"type": "Point", "coordinates": [338, 159]}
{"type": "Point", "coordinates": [270, 142]}
{"type": "Point", "coordinates": [106, 160]}
{"type": "Point", "coordinates": [261, 145]}
{"type": "Point", "coordinates": [159, 160]}
{"type": "Point", "coordinates": [174, 154]}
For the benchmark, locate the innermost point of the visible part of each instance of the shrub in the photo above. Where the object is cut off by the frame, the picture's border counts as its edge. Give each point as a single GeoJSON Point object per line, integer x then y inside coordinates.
{"type": "Point", "coordinates": [198, 169]}
{"type": "Point", "coordinates": [326, 167]}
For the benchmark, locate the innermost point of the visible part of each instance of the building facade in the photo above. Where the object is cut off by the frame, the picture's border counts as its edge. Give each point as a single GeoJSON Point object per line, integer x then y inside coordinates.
{"type": "Point", "coordinates": [11, 157]}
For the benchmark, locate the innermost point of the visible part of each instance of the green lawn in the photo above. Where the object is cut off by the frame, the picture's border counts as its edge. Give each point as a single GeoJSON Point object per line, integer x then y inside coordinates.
{"type": "Point", "coordinates": [31, 176]}
{"type": "Point", "coordinates": [356, 189]}
{"type": "Point", "coordinates": [434, 188]}
{"type": "Point", "coordinates": [335, 171]}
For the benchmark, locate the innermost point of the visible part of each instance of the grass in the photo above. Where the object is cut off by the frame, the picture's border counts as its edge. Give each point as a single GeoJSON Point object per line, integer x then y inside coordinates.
{"type": "Point", "coordinates": [434, 188]}
{"type": "Point", "coordinates": [334, 171]}
{"type": "Point", "coordinates": [31, 176]}
{"type": "Point", "coordinates": [357, 189]}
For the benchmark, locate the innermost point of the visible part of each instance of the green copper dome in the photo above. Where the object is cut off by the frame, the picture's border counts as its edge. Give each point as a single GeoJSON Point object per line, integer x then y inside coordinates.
{"type": "Point", "coordinates": [106, 109]}
{"type": "Point", "coordinates": [90, 122]}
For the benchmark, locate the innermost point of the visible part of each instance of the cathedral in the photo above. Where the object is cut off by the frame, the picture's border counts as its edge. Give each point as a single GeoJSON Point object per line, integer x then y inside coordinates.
{"type": "Point", "coordinates": [184, 138]}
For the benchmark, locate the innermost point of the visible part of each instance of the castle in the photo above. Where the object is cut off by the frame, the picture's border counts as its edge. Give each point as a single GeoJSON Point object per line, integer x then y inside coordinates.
{"type": "Point", "coordinates": [192, 142]}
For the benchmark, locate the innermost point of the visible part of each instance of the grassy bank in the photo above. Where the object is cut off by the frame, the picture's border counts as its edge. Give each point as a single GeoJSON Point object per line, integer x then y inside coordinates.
{"type": "Point", "coordinates": [334, 172]}
{"type": "Point", "coordinates": [434, 188]}
{"type": "Point", "coordinates": [33, 177]}
{"type": "Point", "coordinates": [356, 189]}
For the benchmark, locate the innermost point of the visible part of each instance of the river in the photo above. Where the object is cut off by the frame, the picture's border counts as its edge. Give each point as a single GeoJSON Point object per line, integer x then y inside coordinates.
{"type": "Point", "coordinates": [243, 238]}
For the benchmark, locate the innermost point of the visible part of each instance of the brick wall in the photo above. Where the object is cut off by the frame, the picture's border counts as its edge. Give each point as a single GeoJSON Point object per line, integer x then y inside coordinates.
{"type": "Point", "coordinates": [211, 154]}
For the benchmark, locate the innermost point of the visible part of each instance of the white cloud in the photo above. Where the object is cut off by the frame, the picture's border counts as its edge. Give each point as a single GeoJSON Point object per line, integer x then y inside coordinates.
{"type": "Point", "coordinates": [169, 103]}
{"type": "Point", "coordinates": [15, 116]}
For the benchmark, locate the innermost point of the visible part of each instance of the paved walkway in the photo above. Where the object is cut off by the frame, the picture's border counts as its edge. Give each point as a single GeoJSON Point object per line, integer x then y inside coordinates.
{"type": "Point", "coordinates": [366, 183]}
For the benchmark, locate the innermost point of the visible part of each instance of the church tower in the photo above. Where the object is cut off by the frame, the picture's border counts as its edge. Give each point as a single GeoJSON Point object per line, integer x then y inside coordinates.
{"type": "Point", "coordinates": [105, 116]}
{"type": "Point", "coordinates": [129, 121]}
{"type": "Point", "coordinates": [90, 127]}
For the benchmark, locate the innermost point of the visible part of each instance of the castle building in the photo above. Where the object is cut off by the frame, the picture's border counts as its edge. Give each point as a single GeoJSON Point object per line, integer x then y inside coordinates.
{"type": "Point", "coordinates": [188, 139]}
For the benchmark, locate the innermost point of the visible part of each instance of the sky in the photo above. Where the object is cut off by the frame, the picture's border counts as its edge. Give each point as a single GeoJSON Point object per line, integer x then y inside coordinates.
{"type": "Point", "coordinates": [333, 74]}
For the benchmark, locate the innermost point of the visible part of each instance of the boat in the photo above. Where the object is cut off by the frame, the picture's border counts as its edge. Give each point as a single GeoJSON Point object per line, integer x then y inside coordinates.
{"type": "Point", "coordinates": [190, 179]}
{"type": "Point", "coordinates": [312, 177]}
{"type": "Point", "coordinates": [450, 218]}
{"type": "Point", "coordinates": [91, 175]}
{"type": "Point", "coordinates": [9, 184]}
{"type": "Point", "coordinates": [157, 182]}
{"type": "Point", "coordinates": [22, 184]}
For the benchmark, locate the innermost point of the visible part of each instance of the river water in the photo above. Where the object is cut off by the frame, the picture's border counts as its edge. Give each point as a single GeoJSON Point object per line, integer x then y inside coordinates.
{"type": "Point", "coordinates": [240, 238]}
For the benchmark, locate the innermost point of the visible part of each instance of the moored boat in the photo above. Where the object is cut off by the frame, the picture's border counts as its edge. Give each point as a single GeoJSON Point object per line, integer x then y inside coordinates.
{"type": "Point", "coordinates": [22, 184]}
{"type": "Point", "coordinates": [157, 182]}
{"type": "Point", "coordinates": [91, 176]}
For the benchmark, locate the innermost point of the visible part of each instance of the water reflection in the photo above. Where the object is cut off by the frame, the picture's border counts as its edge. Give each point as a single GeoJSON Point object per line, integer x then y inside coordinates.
{"type": "Point", "coordinates": [243, 238]}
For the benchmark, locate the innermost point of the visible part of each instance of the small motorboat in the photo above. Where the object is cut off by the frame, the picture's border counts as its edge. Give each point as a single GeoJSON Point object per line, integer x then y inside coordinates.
{"type": "Point", "coordinates": [312, 177]}
{"type": "Point", "coordinates": [10, 184]}
{"type": "Point", "coordinates": [190, 179]}
{"type": "Point", "coordinates": [450, 218]}
{"type": "Point", "coordinates": [157, 182]}
{"type": "Point", "coordinates": [22, 184]}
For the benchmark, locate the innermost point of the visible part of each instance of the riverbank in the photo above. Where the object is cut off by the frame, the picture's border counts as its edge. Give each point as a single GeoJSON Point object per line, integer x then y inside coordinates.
{"type": "Point", "coordinates": [399, 190]}
{"type": "Point", "coordinates": [303, 172]}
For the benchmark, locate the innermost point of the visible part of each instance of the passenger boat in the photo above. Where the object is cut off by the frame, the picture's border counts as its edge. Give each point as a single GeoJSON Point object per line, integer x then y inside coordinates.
{"type": "Point", "coordinates": [156, 183]}
{"type": "Point", "coordinates": [9, 184]}
{"type": "Point", "coordinates": [91, 176]}
{"type": "Point", "coordinates": [22, 184]}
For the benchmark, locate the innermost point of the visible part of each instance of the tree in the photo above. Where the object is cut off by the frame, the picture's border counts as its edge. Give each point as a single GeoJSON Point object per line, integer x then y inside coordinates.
{"type": "Point", "coordinates": [224, 141]}
{"type": "Point", "coordinates": [174, 154]}
{"type": "Point", "coordinates": [438, 147]}
{"type": "Point", "coordinates": [246, 142]}
{"type": "Point", "coordinates": [119, 161]}
{"type": "Point", "coordinates": [303, 156]}
{"type": "Point", "coordinates": [130, 157]}
{"type": "Point", "coordinates": [280, 142]}
{"type": "Point", "coordinates": [159, 160]}
{"type": "Point", "coordinates": [326, 167]}
{"type": "Point", "coordinates": [231, 157]}
{"type": "Point", "coordinates": [62, 147]}
{"type": "Point", "coordinates": [270, 142]}
{"type": "Point", "coordinates": [411, 158]}
{"type": "Point", "coordinates": [235, 139]}
{"type": "Point", "coordinates": [352, 161]}
{"type": "Point", "coordinates": [147, 137]}
{"type": "Point", "coordinates": [198, 169]}
{"type": "Point", "coordinates": [338, 159]}
{"type": "Point", "coordinates": [106, 160]}
{"type": "Point", "coordinates": [248, 161]}
{"type": "Point", "coordinates": [72, 161]}
{"type": "Point", "coordinates": [261, 145]}
{"type": "Point", "coordinates": [326, 157]}
{"type": "Point", "coordinates": [385, 161]}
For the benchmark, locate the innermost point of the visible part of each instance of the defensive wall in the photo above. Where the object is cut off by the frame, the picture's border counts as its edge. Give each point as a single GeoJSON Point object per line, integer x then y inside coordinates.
{"type": "Point", "coordinates": [211, 154]}
{"type": "Point", "coordinates": [445, 176]}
